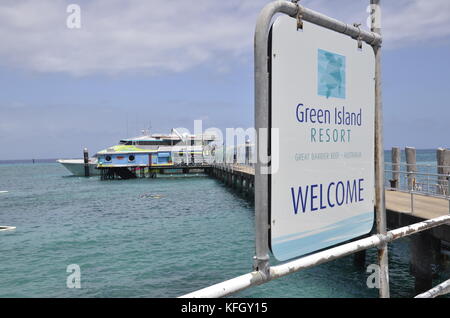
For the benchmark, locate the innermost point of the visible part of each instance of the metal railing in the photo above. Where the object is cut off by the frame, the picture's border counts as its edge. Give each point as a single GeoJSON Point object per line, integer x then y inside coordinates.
{"type": "Point", "coordinates": [440, 290]}
{"type": "Point", "coordinates": [424, 179]}
{"type": "Point", "coordinates": [256, 278]}
{"type": "Point", "coordinates": [242, 155]}
{"type": "Point", "coordinates": [245, 168]}
{"type": "Point", "coordinates": [418, 179]}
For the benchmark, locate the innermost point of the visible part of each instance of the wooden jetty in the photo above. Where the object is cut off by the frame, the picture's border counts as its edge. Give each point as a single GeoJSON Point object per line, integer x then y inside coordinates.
{"type": "Point", "coordinates": [133, 172]}
{"type": "Point", "coordinates": [417, 205]}
{"type": "Point", "coordinates": [428, 250]}
{"type": "Point", "coordinates": [239, 177]}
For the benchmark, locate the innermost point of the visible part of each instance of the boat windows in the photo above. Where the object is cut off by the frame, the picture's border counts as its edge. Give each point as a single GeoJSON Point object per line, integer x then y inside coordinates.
{"type": "Point", "coordinates": [154, 142]}
{"type": "Point", "coordinates": [160, 142]}
{"type": "Point", "coordinates": [148, 143]}
{"type": "Point", "coordinates": [108, 158]}
{"type": "Point", "coordinates": [131, 158]}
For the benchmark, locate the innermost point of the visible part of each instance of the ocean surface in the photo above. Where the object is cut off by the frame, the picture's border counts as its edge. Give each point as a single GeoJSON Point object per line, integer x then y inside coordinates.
{"type": "Point", "coordinates": [151, 238]}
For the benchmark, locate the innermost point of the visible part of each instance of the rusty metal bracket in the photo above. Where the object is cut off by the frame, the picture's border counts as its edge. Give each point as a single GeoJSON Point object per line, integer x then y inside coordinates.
{"type": "Point", "coordinates": [358, 38]}
{"type": "Point", "coordinates": [299, 15]}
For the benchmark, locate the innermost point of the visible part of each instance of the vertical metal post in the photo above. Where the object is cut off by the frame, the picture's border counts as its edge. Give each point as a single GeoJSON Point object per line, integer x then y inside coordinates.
{"type": "Point", "coordinates": [379, 156]}
{"type": "Point", "coordinates": [261, 258]}
{"type": "Point", "coordinates": [86, 162]}
{"type": "Point", "coordinates": [261, 60]}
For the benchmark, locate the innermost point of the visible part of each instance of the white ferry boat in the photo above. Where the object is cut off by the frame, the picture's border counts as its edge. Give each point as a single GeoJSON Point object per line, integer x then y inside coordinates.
{"type": "Point", "coordinates": [149, 150]}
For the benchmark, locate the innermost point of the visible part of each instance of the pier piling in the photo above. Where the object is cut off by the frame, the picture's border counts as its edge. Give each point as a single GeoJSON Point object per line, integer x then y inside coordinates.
{"type": "Point", "coordinates": [443, 168]}
{"type": "Point", "coordinates": [86, 162]}
{"type": "Point", "coordinates": [395, 181]}
{"type": "Point", "coordinates": [411, 166]}
{"type": "Point", "coordinates": [359, 259]}
{"type": "Point", "coordinates": [421, 260]}
{"type": "Point", "coordinates": [237, 177]}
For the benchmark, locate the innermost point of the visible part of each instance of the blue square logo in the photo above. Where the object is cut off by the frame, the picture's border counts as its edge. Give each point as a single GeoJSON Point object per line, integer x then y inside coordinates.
{"type": "Point", "coordinates": [330, 74]}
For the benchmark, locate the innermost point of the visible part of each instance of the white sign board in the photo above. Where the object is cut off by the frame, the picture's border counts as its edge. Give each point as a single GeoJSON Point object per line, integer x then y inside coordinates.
{"type": "Point", "coordinates": [322, 102]}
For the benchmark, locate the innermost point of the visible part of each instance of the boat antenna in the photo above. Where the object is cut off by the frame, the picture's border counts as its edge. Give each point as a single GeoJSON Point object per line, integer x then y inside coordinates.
{"type": "Point", "coordinates": [127, 126]}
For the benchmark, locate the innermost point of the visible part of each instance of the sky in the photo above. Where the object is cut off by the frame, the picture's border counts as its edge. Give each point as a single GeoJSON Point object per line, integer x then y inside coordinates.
{"type": "Point", "coordinates": [162, 64]}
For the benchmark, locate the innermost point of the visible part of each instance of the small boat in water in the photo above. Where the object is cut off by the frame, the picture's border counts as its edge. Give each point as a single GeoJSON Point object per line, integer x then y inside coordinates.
{"type": "Point", "coordinates": [6, 228]}
{"type": "Point", "coordinates": [76, 166]}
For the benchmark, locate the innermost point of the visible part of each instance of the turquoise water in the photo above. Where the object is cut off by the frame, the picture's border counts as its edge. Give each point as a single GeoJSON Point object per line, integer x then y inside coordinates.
{"type": "Point", "coordinates": [423, 156]}
{"type": "Point", "coordinates": [148, 238]}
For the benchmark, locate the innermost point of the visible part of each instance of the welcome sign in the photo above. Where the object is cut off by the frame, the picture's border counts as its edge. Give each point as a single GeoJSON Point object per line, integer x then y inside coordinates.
{"type": "Point", "coordinates": [322, 103]}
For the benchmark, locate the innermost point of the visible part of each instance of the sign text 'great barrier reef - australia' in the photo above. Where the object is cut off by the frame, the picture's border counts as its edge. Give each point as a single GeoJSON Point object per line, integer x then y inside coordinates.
{"type": "Point", "coordinates": [323, 105]}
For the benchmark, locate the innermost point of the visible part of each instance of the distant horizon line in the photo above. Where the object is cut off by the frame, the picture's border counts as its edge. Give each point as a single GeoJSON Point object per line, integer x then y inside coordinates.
{"type": "Point", "coordinates": [54, 159]}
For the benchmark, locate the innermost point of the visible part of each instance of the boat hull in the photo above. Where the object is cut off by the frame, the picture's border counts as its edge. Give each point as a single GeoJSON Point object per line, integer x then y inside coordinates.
{"type": "Point", "coordinates": [76, 167]}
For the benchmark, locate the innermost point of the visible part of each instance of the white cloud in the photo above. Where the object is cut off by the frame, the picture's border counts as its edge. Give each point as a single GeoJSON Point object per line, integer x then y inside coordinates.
{"type": "Point", "coordinates": [417, 21]}
{"type": "Point", "coordinates": [404, 22]}
{"type": "Point", "coordinates": [158, 35]}
{"type": "Point", "coordinates": [118, 36]}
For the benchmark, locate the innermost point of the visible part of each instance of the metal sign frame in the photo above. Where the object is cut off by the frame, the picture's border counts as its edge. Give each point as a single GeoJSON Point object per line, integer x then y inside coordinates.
{"type": "Point", "coordinates": [291, 65]}
{"type": "Point", "coordinates": [262, 122]}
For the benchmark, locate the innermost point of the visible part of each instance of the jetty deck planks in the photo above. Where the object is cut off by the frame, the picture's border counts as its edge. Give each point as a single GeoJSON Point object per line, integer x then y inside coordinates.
{"type": "Point", "coordinates": [425, 207]}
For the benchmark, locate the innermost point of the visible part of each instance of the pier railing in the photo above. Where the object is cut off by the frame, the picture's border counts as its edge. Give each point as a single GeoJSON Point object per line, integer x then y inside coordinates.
{"type": "Point", "coordinates": [418, 178]}
{"type": "Point", "coordinates": [440, 290]}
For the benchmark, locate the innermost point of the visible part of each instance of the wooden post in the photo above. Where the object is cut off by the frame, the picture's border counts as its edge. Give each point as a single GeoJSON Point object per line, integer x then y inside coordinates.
{"type": "Point", "coordinates": [411, 166]}
{"type": "Point", "coordinates": [86, 162]}
{"type": "Point", "coordinates": [359, 259]}
{"type": "Point", "coordinates": [224, 154]}
{"type": "Point", "coordinates": [443, 163]}
{"type": "Point", "coordinates": [247, 152]}
{"type": "Point", "coordinates": [395, 167]}
{"type": "Point", "coordinates": [421, 260]}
